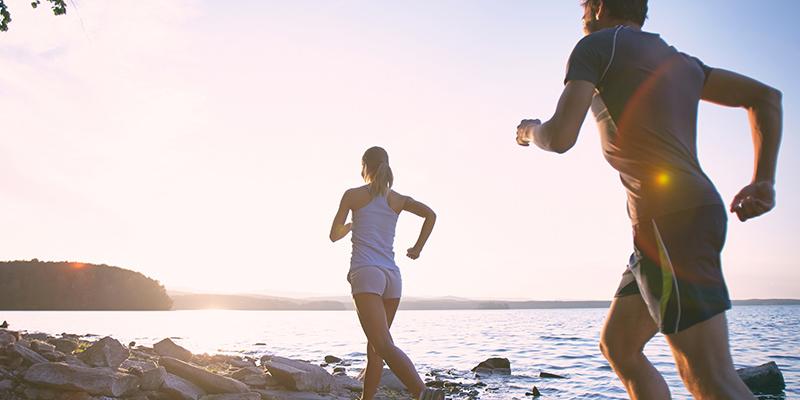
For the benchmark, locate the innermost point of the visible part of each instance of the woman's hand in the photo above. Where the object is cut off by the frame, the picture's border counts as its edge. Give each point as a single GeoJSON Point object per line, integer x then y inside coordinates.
{"type": "Point", "coordinates": [413, 253]}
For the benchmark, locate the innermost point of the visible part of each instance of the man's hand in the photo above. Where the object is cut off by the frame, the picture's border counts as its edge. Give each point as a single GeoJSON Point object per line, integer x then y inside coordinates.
{"type": "Point", "coordinates": [526, 131]}
{"type": "Point", "coordinates": [413, 253]}
{"type": "Point", "coordinates": [753, 200]}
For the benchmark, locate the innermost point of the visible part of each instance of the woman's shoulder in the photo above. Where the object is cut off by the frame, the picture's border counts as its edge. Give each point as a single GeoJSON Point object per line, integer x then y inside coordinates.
{"type": "Point", "coordinates": [357, 197]}
{"type": "Point", "coordinates": [396, 200]}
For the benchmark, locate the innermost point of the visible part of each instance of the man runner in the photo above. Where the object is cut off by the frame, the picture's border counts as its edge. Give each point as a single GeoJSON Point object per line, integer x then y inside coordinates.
{"type": "Point", "coordinates": [644, 95]}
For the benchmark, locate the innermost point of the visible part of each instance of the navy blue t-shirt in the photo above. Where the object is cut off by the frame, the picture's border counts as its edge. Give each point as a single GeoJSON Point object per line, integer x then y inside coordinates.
{"type": "Point", "coordinates": [646, 109]}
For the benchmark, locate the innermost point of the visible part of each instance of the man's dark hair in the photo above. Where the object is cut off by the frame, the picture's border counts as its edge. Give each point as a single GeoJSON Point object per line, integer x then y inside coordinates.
{"type": "Point", "coordinates": [628, 10]}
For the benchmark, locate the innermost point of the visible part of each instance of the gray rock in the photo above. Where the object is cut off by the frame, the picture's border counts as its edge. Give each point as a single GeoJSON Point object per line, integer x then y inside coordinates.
{"type": "Point", "coordinates": [97, 381]}
{"type": "Point", "coordinates": [255, 380]}
{"type": "Point", "coordinates": [153, 379]}
{"type": "Point", "coordinates": [142, 365]}
{"type": "Point", "coordinates": [388, 380]}
{"type": "Point", "coordinates": [30, 356]}
{"type": "Point", "coordinates": [35, 393]}
{"type": "Point", "coordinates": [209, 381]}
{"type": "Point", "coordinates": [493, 365]}
{"type": "Point", "coordinates": [54, 355]}
{"type": "Point", "coordinates": [247, 371]}
{"type": "Point", "coordinates": [299, 375]}
{"type": "Point", "coordinates": [348, 383]}
{"type": "Point", "coordinates": [181, 389]}
{"type": "Point", "coordinates": [106, 352]}
{"type": "Point", "coordinates": [271, 380]}
{"type": "Point", "coordinates": [332, 359]}
{"type": "Point", "coordinates": [6, 384]}
{"type": "Point", "coordinates": [168, 348]}
{"type": "Point", "coordinates": [543, 374]}
{"type": "Point", "coordinates": [40, 347]}
{"type": "Point", "coordinates": [36, 336]}
{"type": "Point", "coordinates": [534, 392]}
{"type": "Point", "coordinates": [276, 394]}
{"type": "Point", "coordinates": [78, 396]}
{"type": "Point", "coordinates": [66, 346]}
{"type": "Point", "coordinates": [147, 354]}
{"type": "Point", "coordinates": [8, 337]}
{"type": "Point", "coordinates": [233, 396]}
{"type": "Point", "coordinates": [72, 360]}
{"type": "Point", "coordinates": [766, 378]}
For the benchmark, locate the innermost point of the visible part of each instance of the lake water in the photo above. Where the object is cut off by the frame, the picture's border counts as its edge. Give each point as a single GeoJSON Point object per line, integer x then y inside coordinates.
{"type": "Point", "coordinates": [561, 341]}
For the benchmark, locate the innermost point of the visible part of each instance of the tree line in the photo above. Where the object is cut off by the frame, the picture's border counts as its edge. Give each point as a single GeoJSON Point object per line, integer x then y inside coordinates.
{"type": "Point", "coordinates": [37, 285]}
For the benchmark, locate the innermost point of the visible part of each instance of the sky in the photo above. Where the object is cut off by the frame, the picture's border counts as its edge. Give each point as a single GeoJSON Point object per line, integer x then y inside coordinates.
{"type": "Point", "coordinates": [206, 144]}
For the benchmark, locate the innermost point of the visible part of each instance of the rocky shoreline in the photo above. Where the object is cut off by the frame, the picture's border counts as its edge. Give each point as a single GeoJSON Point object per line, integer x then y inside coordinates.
{"type": "Point", "coordinates": [39, 366]}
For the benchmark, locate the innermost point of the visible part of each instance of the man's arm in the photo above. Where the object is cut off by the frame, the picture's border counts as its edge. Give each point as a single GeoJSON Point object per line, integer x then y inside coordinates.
{"type": "Point", "coordinates": [763, 105]}
{"type": "Point", "coordinates": [560, 133]}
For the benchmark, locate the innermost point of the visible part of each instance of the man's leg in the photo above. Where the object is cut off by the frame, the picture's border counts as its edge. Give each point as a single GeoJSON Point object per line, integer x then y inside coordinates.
{"type": "Point", "coordinates": [372, 314]}
{"type": "Point", "coordinates": [704, 362]}
{"type": "Point", "coordinates": [374, 369]}
{"type": "Point", "coordinates": [628, 328]}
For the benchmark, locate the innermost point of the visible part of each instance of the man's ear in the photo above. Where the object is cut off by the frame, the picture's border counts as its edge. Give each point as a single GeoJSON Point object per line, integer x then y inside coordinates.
{"type": "Point", "coordinates": [601, 11]}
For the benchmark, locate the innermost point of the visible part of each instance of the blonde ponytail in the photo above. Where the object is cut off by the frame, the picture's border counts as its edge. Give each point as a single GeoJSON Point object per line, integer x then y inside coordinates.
{"type": "Point", "coordinates": [381, 180]}
{"type": "Point", "coordinates": [376, 171]}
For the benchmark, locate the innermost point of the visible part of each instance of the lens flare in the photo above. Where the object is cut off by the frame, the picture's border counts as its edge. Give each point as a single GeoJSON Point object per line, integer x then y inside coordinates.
{"type": "Point", "coordinates": [77, 265]}
{"type": "Point", "coordinates": [663, 179]}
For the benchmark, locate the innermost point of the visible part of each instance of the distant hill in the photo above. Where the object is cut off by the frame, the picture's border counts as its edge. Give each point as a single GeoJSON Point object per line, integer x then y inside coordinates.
{"type": "Point", "coordinates": [37, 285]}
{"type": "Point", "coordinates": [186, 301]}
{"type": "Point", "coordinates": [243, 302]}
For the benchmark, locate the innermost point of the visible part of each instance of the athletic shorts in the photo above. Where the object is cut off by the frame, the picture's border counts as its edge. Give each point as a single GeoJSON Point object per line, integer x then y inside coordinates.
{"type": "Point", "coordinates": [384, 282]}
{"type": "Point", "coordinates": [676, 267]}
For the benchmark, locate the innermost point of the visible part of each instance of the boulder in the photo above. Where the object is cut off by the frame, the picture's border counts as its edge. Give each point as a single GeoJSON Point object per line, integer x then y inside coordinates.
{"type": "Point", "coordinates": [276, 394]}
{"type": "Point", "coordinates": [241, 373]}
{"type": "Point", "coordinates": [255, 380]}
{"type": "Point", "coordinates": [388, 380]}
{"type": "Point", "coordinates": [106, 352]}
{"type": "Point", "coordinates": [66, 346]}
{"type": "Point", "coordinates": [209, 381]}
{"type": "Point", "coordinates": [41, 347]}
{"type": "Point", "coordinates": [332, 359]}
{"type": "Point", "coordinates": [54, 355]}
{"type": "Point", "coordinates": [36, 393]}
{"type": "Point", "coordinates": [8, 337]}
{"type": "Point", "coordinates": [142, 365]}
{"type": "Point", "coordinates": [72, 360]}
{"type": "Point", "coordinates": [766, 378]}
{"type": "Point", "coordinates": [30, 356]}
{"type": "Point", "coordinates": [232, 396]}
{"type": "Point", "coordinates": [299, 375]}
{"type": "Point", "coordinates": [493, 365]}
{"type": "Point", "coordinates": [347, 383]}
{"type": "Point", "coordinates": [181, 389]}
{"type": "Point", "coordinates": [97, 381]}
{"type": "Point", "coordinates": [77, 396]}
{"type": "Point", "coordinates": [144, 353]}
{"type": "Point", "coordinates": [543, 374]}
{"type": "Point", "coordinates": [168, 348]}
{"type": "Point", "coordinates": [153, 379]}
{"type": "Point", "coordinates": [36, 336]}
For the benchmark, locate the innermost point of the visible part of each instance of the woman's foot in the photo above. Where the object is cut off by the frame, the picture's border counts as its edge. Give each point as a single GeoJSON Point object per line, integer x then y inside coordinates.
{"type": "Point", "coordinates": [431, 394]}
